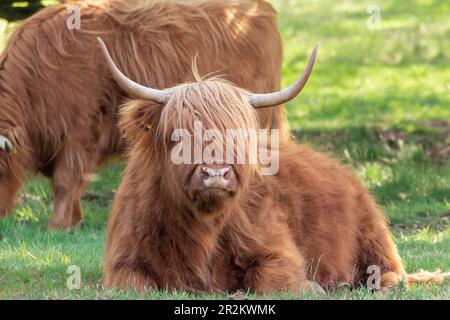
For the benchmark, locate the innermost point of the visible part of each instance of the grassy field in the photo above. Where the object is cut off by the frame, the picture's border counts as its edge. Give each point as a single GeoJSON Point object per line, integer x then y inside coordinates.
{"type": "Point", "coordinates": [379, 100]}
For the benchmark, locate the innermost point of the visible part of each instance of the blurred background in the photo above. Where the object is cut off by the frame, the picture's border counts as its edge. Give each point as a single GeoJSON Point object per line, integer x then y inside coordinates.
{"type": "Point", "coordinates": [378, 100]}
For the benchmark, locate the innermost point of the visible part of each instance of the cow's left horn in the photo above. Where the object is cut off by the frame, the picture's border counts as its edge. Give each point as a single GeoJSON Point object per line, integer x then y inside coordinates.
{"type": "Point", "coordinates": [131, 87]}
{"type": "Point", "coordinates": [277, 98]}
{"type": "Point", "coordinates": [6, 144]}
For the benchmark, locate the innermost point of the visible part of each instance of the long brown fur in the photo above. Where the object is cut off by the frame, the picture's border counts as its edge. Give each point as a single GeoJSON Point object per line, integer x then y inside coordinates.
{"type": "Point", "coordinates": [313, 221]}
{"type": "Point", "coordinates": [59, 103]}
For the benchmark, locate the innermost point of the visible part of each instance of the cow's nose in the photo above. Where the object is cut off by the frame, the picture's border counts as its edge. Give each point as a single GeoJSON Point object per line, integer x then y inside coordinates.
{"type": "Point", "coordinates": [216, 177]}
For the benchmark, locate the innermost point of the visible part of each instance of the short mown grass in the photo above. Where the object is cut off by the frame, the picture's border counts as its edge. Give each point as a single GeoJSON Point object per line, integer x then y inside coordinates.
{"type": "Point", "coordinates": [379, 100]}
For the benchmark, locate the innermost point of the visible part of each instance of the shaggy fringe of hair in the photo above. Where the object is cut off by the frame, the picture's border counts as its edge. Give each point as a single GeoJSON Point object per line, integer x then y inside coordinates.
{"type": "Point", "coordinates": [216, 104]}
{"type": "Point", "coordinates": [213, 102]}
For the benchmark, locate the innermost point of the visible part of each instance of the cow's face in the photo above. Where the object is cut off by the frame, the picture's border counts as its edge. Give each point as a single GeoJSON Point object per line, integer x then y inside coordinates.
{"type": "Point", "coordinates": [194, 140]}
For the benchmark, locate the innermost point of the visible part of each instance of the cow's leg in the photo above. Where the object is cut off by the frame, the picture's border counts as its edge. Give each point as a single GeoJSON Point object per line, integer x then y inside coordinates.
{"type": "Point", "coordinates": [383, 263]}
{"type": "Point", "coordinates": [378, 254]}
{"type": "Point", "coordinates": [68, 179]}
{"type": "Point", "coordinates": [66, 198]}
{"type": "Point", "coordinates": [77, 213]}
{"type": "Point", "coordinates": [278, 271]}
{"type": "Point", "coordinates": [125, 279]}
{"type": "Point", "coordinates": [10, 185]}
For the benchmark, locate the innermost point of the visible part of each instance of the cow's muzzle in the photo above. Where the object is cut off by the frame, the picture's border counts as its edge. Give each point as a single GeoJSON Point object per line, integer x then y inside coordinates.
{"type": "Point", "coordinates": [211, 186]}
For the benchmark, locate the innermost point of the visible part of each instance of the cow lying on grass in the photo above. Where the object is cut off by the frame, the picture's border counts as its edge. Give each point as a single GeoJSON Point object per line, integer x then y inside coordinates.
{"type": "Point", "coordinates": [58, 102]}
{"type": "Point", "coordinates": [212, 227]}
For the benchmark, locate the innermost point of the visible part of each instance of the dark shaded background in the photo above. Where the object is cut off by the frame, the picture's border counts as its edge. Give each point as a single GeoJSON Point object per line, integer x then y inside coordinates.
{"type": "Point", "coordinates": [11, 11]}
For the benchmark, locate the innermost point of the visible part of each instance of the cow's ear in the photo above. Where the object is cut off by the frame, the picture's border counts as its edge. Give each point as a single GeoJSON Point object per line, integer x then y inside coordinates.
{"type": "Point", "coordinates": [138, 119]}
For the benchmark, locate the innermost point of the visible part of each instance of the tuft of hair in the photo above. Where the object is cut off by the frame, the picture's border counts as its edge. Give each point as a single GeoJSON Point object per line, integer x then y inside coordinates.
{"type": "Point", "coordinates": [423, 276]}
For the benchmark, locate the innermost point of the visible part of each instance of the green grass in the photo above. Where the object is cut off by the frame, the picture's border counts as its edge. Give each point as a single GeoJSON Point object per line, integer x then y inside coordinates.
{"type": "Point", "coordinates": [379, 100]}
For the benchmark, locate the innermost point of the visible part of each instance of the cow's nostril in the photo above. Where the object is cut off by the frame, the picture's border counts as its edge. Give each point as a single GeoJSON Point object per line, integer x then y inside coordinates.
{"type": "Point", "coordinates": [227, 175]}
{"type": "Point", "coordinates": [205, 175]}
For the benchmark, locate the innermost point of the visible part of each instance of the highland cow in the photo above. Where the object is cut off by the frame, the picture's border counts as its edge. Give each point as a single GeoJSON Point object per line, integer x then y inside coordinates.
{"type": "Point", "coordinates": [220, 227]}
{"type": "Point", "coordinates": [59, 103]}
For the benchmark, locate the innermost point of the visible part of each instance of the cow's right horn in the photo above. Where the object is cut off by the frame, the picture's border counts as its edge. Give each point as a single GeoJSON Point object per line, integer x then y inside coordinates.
{"type": "Point", "coordinates": [280, 97]}
{"type": "Point", "coordinates": [6, 144]}
{"type": "Point", "coordinates": [131, 87]}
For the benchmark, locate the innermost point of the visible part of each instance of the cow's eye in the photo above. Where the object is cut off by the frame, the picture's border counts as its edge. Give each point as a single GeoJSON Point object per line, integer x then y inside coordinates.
{"type": "Point", "coordinates": [148, 127]}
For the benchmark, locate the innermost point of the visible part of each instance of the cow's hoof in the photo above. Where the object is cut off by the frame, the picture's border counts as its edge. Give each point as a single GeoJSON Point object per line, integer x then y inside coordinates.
{"type": "Point", "coordinates": [314, 287]}
{"type": "Point", "coordinates": [317, 289]}
{"type": "Point", "coordinates": [55, 226]}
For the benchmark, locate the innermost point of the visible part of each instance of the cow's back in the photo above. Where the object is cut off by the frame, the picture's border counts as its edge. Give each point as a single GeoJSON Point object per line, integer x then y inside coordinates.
{"type": "Point", "coordinates": [66, 90]}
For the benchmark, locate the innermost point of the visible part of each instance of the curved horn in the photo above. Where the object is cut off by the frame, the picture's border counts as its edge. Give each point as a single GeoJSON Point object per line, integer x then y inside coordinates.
{"type": "Point", "coordinates": [280, 97]}
{"type": "Point", "coordinates": [129, 85]}
{"type": "Point", "coordinates": [6, 144]}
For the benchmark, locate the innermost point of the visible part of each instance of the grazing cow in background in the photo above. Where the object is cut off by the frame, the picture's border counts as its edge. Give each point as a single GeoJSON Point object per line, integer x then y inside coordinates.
{"type": "Point", "coordinates": [59, 103]}
{"type": "Point", "coordinates": [220, 227]}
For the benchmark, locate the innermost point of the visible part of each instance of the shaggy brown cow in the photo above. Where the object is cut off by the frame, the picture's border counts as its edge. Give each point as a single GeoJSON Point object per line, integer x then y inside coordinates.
{"type": "Point", "coordinates": [59, 103]}
{"type": "Point", "coordinates": [213, 227]}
